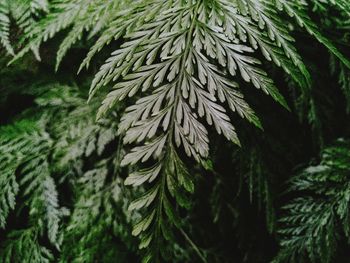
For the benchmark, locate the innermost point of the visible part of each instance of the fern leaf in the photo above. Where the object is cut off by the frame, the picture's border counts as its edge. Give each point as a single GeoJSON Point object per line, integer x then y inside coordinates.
{"type": "Point", "coordinates": [24, 244]}
{"type": "Point", "coordinates": [15, 145]}
{"type": "Point", "coordinates": [9, 190]}
{"type": "Point", "coordinates": [181, 63]}
{"type": "Point", "coordinates": [300, 15]}
{"type": "Point", "coordinates": [5, 27]}
{"type": "Point", "coordinates": [312, 222]}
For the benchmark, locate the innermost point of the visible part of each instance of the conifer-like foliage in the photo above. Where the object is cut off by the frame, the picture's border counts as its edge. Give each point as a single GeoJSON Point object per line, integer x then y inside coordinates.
{"type": "Point", "coordinates": [177, 76]}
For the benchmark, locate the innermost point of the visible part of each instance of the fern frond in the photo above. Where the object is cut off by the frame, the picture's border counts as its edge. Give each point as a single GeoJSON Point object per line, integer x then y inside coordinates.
{"type": "Point", "coordinates": [42, 197]}
{"type": "Point", "coordinates": [314, 221]}
{"type": "Point", "coordinates": [80, 15]}
{"type": "Point", "coordinates": [92, 17]}
{"type": "Point", "coordinates": [341, 72]}
{"type": "Point", "coordinates": [9, 188]}
{"type": "Point", "coordinates": [24, 244]}
{"type": "Point", "coordinates": [34, 151]}
{"type": "Point", "coordinates": [81, 136]}
{"type": "Point", "coordinates": [170, 180]}
{"type": "Point", "coordinates": [342, 5]}
{"type": "Point", "coordinates": [5, 27]}
{"type": "Point", "coordinates": [15, 145]}
{"type": "Point", "coordinates": [169, 58]}
{"type": "Point", "coordinates": [183, 63]}
{"type": "Point", "coordinates": [27, 146]}
{"type": "Point", "coordinates": [23, 14]}
{"type": "Point", "coordinates": [275, 38]}
{"type": "Point", "coordinates": [99, 214]}
{"type": "Point", "coordinates": [299, 12]}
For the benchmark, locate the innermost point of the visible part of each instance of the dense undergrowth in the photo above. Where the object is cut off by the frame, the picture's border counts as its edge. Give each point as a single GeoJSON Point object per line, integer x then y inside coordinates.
{"type": "Point", "coordinates": [195, 131]}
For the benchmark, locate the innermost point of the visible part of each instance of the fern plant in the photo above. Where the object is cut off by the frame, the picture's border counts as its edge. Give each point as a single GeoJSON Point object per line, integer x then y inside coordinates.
{"type": "Point", "coordinates": [28, 152]}
{"type": "Point", "coordinates": [40, 156]}
{"type": "Point", "coordinates": [24, 13]}
{"type": "Point", "coordinates": [315, 220]}
{"type": "Point", "coordinates": [188, 59]}
{"type": "Point", "coordinates": [185, 64]}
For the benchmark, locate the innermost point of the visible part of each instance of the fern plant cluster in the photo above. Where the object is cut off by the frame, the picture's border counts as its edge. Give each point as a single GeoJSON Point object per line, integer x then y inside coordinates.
{"type": "Point", "coordinates": [42, 156]}
{"type": "Point", "coordinates": [20, 14]}
{"type": "Point", "coordinates": [315, 221]}
{"type": "Point", "coordinates": [181, 74]}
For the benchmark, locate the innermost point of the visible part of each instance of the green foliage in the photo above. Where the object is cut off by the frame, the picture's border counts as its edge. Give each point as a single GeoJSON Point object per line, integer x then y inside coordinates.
{"type": "Point", "coordinates": [168, 53]}
{"type": "Point", "coordinates": [5, 27]}
{"type": "Point", "coordinates": [315, 220]}
{"type": "Point", "coordinates": [183, 68]}
{"type": "Point", "coordinates": [24, 244]}
{"type": "Point", "coordinates": [343, 75]}
{"type": "Point", "coordinates": [24, 13]}
{"type": "Point", "coordinates": [44, 153]}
